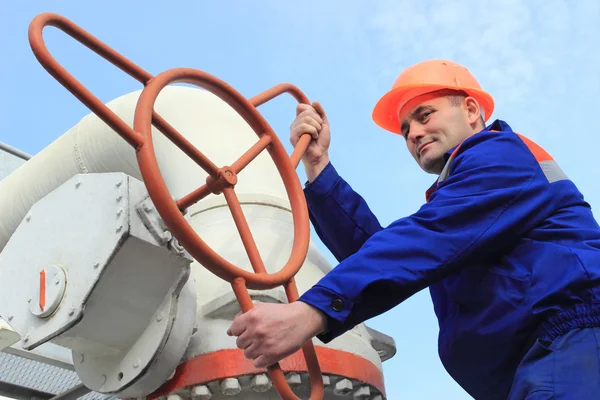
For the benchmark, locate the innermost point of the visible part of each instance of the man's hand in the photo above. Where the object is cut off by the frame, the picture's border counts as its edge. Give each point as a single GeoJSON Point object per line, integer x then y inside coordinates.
{"type": "Point", "coordinates": [270, 332]}
{"type": "Point", "coordinates": [311, 119]}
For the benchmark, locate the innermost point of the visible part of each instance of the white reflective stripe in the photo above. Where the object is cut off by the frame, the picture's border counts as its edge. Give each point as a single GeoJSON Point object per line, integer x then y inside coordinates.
{"type": "Point", "coordinates": [552, 171]}
{"type": "Point", "coordinates": [550, 168]}
{"type": "Point", "coordinates": [446, 171]}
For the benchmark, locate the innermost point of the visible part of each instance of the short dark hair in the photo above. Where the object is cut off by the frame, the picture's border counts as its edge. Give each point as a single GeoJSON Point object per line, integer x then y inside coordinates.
{"type": "Point", "coordinates": [456, 98]}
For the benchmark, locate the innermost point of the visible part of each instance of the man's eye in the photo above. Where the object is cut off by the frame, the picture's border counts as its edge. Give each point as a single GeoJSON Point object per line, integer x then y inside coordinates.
{"type": "Point", "coordinates": [425, 115]}
{"type": "Point", "coordinates": [404, 128]}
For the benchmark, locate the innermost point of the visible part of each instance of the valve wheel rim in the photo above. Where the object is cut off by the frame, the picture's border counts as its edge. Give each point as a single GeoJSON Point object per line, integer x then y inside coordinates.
{"type": "Point", "coordinates": [168, 207]}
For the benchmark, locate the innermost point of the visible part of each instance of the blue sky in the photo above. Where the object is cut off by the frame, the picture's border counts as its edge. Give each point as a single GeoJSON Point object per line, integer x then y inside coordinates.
{"type": "Point", "coordinates": [538, 58]}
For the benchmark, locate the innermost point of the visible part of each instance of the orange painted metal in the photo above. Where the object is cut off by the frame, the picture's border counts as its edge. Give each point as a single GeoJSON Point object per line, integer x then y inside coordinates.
{"type": "Point", "coordinates": [170, 210]}
{"type": "Point", "coordinates": [36, 41]}
{"type": "Point", "coordinates": [228, 363]}
{"type": "Point", "coordinates": [39, 49]}
{"type": "Point", "coordinates": [220, 180]}
{"type": "Point", "coordinates": [43, 290]}
{"type": "Point", "coordinates": [275, 91]}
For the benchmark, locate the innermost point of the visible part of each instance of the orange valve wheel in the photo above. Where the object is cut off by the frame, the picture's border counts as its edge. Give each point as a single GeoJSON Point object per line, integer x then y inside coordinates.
{"type": "Point", "coordinates": [220, 180]}
{"type": "Point", "coordinates": [223, 180]}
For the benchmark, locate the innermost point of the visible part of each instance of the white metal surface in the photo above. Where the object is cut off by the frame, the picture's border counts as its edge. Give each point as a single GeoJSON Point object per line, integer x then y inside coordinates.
{"type": "Point", "coordinates": [91, 233]}
{"type": "Point", "coordinates": [152, 359]}
{"type": "Point", "coordinates": [123, 289]}
{"type": "Point", "coordinates": [8, 336]}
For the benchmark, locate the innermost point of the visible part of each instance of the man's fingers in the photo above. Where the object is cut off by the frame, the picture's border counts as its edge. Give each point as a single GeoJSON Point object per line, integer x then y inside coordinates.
{"type": "Point", "coordinates": [312, 121]}
{"type": "Point", "coordinates": [308, 111]}
{"type": "Point", "coordinates": [263, 362]}
{"type": "Point", "coordinates": [302, 107]}
{"type": "Point", "coordinates": [306, 128]}
{"type": "Point", "coordinates": [251, 352]}
{"type": "Point", "coordinates": [237, 327]}
{"type": "Point", "coordinates": [319, 108]}
{"type": "Point", "coordinates": [244, 340]}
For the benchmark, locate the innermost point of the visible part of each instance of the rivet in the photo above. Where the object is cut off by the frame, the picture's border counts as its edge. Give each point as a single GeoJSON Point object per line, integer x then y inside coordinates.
{"type": "Point", "coordinates": [57, 282]}
{"type": "Point", "coordinates": [136, 363]}
{"type": "Point", "coordinates": [26, 338]}
{"type": "Point", "coordinates": [148, 207]}
{"type": "Point", "coordinates": [29, 300]}
{"type": "Point", "coordinates": [119, 183]}
{"type": "Point", "coordinates": [96, 265]}
{"type": "Point", "coordinates": [10, 317]}
{"type": "Point", "coordinates": [28, 218]}
{"type": "Point", "coordinates": [78, 183]}
{"type": "Point", "coordinates": [119, 212]}
{"type": "Point", "coordinates": [81, 358]}
{"type": "Point", "coordinates": [119, 198]}
{"type": "Point", "coordinates": [119, 228]}
{"type": "Point", "coordinates": [159, 316]}
{"type": "Point", "coordinates": [103, 379]}
{"type": "Point", "coordinates": [71, 311]}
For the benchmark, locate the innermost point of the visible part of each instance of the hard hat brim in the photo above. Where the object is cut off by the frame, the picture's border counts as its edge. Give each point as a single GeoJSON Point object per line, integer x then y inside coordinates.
{"type": "Point", "coordinates": [385, 112]}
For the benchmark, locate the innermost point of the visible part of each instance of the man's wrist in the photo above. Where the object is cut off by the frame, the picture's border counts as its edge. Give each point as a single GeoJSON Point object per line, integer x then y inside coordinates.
{"type": "Point", "coordinates": [313, 170]}
{"type": "Point", "coordinates": [316, 321]}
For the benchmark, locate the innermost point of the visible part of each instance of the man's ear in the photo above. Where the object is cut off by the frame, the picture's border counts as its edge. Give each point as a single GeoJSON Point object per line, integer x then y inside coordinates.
{"type": "Point", "coordinates": [473, 110]}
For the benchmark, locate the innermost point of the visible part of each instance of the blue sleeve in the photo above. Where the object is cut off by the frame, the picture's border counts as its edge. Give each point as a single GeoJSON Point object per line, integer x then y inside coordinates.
{"type": "Point", "coordinates": [496, 191]}
{"type": "Point", "coordinates": [339, 215]}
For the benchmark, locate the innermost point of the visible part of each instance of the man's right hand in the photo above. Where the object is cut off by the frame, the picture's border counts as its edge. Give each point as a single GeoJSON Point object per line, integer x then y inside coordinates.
{"type": "Point", "coordinates": [311, 119]}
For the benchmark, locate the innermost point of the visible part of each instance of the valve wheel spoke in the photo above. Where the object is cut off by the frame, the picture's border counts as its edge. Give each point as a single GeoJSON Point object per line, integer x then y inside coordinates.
{"type": "Point", "coordinates": [244, 230]}
{"type": "Point", "coordinates": [251, 154]}
{"type": "Point", "coordinates": [193, 197]}
{"type": "Point", "coordinates": [185, 145]}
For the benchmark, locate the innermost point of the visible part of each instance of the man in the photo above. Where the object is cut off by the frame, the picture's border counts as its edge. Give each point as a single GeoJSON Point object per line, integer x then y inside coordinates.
{"type": "Point", "coordinates": [506, 244]}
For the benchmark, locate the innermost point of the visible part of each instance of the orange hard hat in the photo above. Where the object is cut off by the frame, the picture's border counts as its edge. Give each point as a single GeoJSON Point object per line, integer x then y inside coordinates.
{"type": "Point", "coordinates": [426, 77]}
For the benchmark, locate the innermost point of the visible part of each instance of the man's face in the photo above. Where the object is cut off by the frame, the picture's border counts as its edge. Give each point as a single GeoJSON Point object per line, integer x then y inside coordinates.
{"type": "Point", "coordinates": [431, 126]}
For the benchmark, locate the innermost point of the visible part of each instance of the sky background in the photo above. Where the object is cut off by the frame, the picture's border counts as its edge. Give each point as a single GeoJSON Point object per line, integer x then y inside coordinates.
{"type": "Point", "coordinates": [538, 58]}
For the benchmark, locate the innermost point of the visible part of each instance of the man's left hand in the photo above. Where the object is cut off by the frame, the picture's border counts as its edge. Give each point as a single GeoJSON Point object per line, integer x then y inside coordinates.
{"type": "Point", "coordinates": [270, 332]}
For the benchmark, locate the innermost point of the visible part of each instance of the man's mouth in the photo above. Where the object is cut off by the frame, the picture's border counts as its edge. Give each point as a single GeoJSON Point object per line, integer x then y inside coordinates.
{"type": "Point", "coordinates": [423, 146]}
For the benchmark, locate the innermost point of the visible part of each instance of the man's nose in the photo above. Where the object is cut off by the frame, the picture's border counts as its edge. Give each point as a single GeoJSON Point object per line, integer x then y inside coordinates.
{"type": "Point", "coordinates": [416, 133]}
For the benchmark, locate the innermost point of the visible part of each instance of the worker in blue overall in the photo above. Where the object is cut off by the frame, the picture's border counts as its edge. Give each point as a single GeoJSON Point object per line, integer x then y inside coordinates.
{"type": "Point", "coordinates": [505, 242]}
